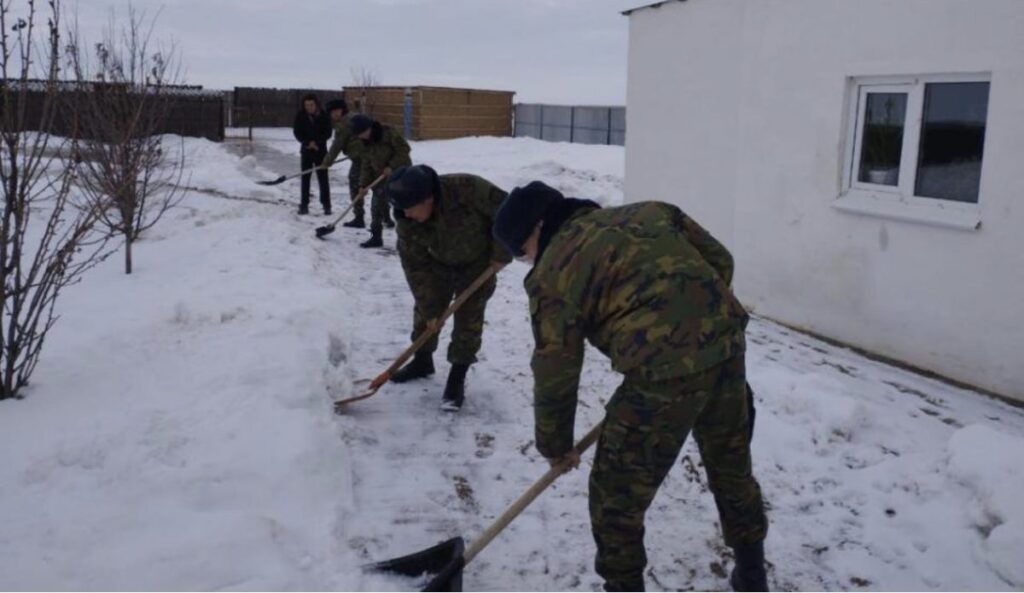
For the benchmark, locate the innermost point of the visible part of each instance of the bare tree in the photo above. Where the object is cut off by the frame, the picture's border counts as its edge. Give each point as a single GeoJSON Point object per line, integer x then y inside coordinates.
{"type": "Point", "coordinates": [363, 80]}
{"type": "Point", "coordinates": [125, 93]}
{"type": "Point", "coordinates": [46, 238]}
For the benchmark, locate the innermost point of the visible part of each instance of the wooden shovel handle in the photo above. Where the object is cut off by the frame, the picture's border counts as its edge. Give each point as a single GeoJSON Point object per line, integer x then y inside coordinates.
{"type": "Point", "coordinates": [433, 326]}
{"type": "Point", "coordinates": [524, 501]}
{"type": "Point", "coordinates": [359, 197]}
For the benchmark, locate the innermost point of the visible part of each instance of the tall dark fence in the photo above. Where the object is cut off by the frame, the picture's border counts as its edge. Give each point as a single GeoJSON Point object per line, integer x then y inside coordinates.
{"type": "Point", "coordinates": [571, 123]}
{"type": "Point", "coordinates": [271, 108]}
{"type": "Point", "coordinates": [192, 112]}
{"type": "Point", "coordinates": [199, 115]}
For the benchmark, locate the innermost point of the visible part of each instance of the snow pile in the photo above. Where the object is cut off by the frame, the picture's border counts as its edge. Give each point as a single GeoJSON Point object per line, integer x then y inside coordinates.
{"type": "Point", "coordinates": [178, 433]}
{"type": "Point", "coordinates": [988, 462]}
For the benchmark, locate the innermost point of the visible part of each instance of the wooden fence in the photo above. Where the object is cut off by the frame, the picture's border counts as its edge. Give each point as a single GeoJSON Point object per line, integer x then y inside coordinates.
{"type": "Point", "coordinates": [271, 108]}
{"type": "Point", "coordinates": [435, 113]}
{"type": "Point", "coordinates": [193, 111]}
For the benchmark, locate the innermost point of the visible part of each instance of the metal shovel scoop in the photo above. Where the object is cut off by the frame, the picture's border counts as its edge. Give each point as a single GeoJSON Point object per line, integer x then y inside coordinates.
{"type": "Point", "coordinates": [445, 561]}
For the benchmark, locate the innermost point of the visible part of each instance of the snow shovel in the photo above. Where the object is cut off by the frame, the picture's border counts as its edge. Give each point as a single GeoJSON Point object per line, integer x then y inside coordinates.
{"type": "Point", "coordinates": [445, 561]}
{"type": "Point", "coordinates": [433, 327]}
{"type": "Point", "coordinates": [327, 229]}
{"type": "Point", "coordinates": [284, 178]}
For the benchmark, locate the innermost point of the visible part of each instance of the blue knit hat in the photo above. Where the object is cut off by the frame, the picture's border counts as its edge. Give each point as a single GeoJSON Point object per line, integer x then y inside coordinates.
{"type": "Point", "coordinates": [336, 104]}
{"type": "Point", "coordinates": [360, 123]}
{"type": "Point", "coordinates": [411, 185]}
{"type": "Point", "coordinates": [520, 213]}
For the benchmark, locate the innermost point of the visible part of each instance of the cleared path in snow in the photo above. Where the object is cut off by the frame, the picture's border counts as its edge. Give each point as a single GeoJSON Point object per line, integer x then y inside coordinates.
{"type": "Point", "coordinates": [866, 467]}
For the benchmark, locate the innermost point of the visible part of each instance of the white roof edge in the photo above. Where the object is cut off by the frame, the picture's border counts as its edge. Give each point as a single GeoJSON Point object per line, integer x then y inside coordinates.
{"type": "Point", "coordinates": [647, 6]}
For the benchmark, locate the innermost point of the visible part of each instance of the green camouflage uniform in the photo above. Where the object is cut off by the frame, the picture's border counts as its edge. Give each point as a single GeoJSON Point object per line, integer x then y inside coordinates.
{"type": "Point", "coordinates": [348, 144]}
{"type": "Point", "coordinates": [650, 288]}
{"type": "Point", "coordinates": [444, 255]}
{"type": "Point", "coordinates": [390, 151]}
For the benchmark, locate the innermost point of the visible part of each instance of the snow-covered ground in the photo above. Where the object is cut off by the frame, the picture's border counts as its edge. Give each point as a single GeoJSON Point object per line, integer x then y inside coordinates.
{"type": "Point", "coordinates": [179, 432]}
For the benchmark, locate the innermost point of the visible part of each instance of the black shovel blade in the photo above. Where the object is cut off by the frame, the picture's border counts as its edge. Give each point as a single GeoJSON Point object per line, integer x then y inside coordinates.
{"type": "Point", "coordinates": [323, 231]}
{"type": "Point", "coordinates": [444, 561]}
{"type": "Point", "coordinates": [274, 182]}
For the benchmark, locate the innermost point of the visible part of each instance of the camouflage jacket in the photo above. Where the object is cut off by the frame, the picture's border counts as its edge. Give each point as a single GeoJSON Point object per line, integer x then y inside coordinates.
{"type": "Point", "coordinates": [390, 151]}
{"type": "Point", "coordinates": [458, 233]}
{"type": "Point", "coordinates": [344, 142]}
{"type": "Point", "coordinates": [647, 286]}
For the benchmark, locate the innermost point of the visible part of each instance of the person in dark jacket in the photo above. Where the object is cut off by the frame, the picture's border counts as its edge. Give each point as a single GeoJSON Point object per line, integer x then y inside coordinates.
{"type": "Point", "coordinates": [312, 128]}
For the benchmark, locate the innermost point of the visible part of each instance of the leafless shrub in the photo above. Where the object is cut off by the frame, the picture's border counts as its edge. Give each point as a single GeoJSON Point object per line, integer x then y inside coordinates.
{"type": "Point", "coordinates": [363, 79]}
{"type": "Point", "coordinates": [124, 95]}
{"type": "Point", "coordinates": [47, 239]}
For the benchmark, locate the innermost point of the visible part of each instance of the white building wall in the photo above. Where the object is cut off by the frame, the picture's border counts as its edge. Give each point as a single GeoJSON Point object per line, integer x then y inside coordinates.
{"type": "Point", "coordinates": [736, 112]}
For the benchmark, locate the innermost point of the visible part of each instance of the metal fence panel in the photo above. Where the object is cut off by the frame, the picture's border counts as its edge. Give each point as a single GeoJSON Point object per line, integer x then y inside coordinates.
{"type": "Point", "coordinates": [527, 120]}
{"type": "Point", "coordinates": [618, 122]}
{"type": "Point", "coordinates": [591, 125]}
{"type": "Point", "coordinates": [564, 123]}
{"type": "Point", "coordinates": [557, 123]}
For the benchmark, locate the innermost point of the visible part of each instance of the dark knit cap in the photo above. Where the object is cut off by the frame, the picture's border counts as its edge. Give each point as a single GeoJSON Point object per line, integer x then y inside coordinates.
{"type": "Point", "coordinates": [360, 123]}
{"type": "Point", "coordinates": [519, 214]}
{"type": "Point", "coordinates": [336, 104]}
{"type": "Point", "coordinates": [411, 185]}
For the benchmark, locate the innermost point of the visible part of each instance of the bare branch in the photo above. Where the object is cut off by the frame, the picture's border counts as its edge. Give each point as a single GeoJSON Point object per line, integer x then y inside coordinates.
{"type": "Point", "coordinates": [127, 172]}
{"type": "Point", "coordinates": [47, 241]}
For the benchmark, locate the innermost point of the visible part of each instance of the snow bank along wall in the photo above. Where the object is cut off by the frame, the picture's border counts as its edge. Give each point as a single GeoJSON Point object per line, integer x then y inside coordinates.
{"type": "Point", "coordinates": [755, 118]}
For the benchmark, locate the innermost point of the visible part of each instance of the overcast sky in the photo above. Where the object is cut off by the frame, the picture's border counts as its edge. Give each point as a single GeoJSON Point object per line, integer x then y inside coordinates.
{"type": "Point", "coordinates": [555, 51]}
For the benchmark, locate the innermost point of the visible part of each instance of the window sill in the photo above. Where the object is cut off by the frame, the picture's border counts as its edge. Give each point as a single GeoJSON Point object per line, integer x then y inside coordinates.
{"type": "Point", "coordinates": [918, 210]}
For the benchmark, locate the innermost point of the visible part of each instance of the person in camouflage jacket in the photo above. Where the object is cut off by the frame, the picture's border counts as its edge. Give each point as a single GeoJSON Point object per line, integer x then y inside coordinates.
{"type": "Point", "coordinates": [345, 143]}
{"type": "Point", "coordinates": [650, 288]}
{"type": "Point", "coordinates": [445, 243]}
{"type": "Point", "coordinates": [384, 150]}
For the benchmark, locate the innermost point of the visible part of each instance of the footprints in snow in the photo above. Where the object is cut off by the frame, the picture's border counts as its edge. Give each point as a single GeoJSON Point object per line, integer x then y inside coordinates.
{"type": "Point", "coordinates": [484, 445]}
{"type": "Point", "coordinates": [337, 351]}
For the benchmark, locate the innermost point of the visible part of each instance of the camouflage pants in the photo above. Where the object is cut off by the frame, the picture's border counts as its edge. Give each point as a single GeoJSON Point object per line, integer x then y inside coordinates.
{"type": "Point", "coordinates": [359, 209]}
{"type": "Point", "coordinates": [380, 209]}
{"type": "Point", "coordinates": [434, 287]}
{"type": "Point", "coordinates": [645, 428]}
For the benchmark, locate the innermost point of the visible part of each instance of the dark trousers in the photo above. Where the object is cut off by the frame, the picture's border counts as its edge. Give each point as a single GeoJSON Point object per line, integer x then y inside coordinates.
{"type": "Point", "coordinates": [310, 159]}
{"type": "Point", "coordinates": [359, 209]}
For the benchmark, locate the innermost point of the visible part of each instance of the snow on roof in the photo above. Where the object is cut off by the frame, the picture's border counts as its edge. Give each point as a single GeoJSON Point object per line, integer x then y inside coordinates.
{"type": "Point", "coordinates": [646, 6]}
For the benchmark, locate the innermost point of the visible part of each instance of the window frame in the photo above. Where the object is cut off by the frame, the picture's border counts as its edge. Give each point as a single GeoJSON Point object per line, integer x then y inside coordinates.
{"type": "Point", "coordinates": [899, 201]}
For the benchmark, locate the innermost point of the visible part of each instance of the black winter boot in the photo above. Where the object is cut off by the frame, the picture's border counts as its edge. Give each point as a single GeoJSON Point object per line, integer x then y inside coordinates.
{"type": "Point", "coordinates": [631, 585]}
{"type": "Point", "coordinates": [422, 365]}
{"type": "Point", "coordinates": [455, 389]}
{"type": "Point", "coordinates": [355, 223]}
{"type": "Point", "coordinates": [749, 573]}
{"type": "Point", "coordinates": [375, 240]}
